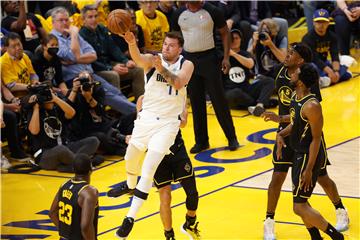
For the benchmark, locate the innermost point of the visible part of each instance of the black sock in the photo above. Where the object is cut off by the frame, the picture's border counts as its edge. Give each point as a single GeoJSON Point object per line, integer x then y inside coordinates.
{"type": "Point", "coordinates": [190, 220]}
{"type": "Point", "coordinates": [339, 205]}
{"type": "Point", "coordinates": [169, 234]}
{"type": "Point", "coordinates": [270, 215]}
{"type": "Point", "coordinates": [314, 233]}
{"type": "Point", "coordinates": [333, 233]}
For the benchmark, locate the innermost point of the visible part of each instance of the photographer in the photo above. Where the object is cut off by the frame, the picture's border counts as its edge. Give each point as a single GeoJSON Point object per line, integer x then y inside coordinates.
{"type": "Point", "coordinates": [47, 128]}
{"type": "Point", "coordinates": [268, 49]}
{"type": "Point", "coordinates": [87, 97]}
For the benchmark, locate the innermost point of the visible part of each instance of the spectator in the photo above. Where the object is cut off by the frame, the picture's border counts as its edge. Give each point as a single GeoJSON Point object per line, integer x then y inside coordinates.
{"type": "Point", "coordinates": [3, 35]}
{"type": "Point", "coordinates": [199, 48]}
{"type": "Point", "coordinates": [254, 11]}
{"type": "Point", "coordinates": [87, 97]}
{"type": "Point", "coordinates": [347, 21]}
{"type": "Point", "coordinates": [322, 43]}
{"type": "Point", "coordinates": [137, 31]}
{"type": "Point", "coordinates": [168, 8]}
{"type": "Point", "coordinates": [111, 63]}
{"type": "Point", "coordinates": [16, 69]}
{"type": "Point", "coordinates": [9, 127]}
{"type": "Point", "coordinates": [47, 125]}
{"type": "Point", "coordinates": [48, 66]}
{"type": "Point", "coordinates": [238, 90]}
{"type": "Point", "coordinates": [153, 23]}
{"type": "Point", "coordinates": [27, 25]}
{"type": "Point", "coordinates": [269, 49]}
{"type": "Point", "coordinates": [77, 55]}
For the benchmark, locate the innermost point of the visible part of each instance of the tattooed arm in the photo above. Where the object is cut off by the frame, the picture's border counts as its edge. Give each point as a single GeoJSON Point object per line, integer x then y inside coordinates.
{"type": "Point", "coordinates": [178, 80]}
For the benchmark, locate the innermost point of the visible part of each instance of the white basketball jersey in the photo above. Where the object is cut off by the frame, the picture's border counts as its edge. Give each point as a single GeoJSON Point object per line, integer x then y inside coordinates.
{"type": "Point", "coordinates": [160, 98]}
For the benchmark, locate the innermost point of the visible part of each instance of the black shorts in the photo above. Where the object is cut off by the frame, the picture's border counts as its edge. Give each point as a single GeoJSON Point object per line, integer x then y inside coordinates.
{"type": "Point", "coordinates": [173, 168]}
{"type": "Point", "coordinates": [299, 165]}
{"type": "Point", "coordinates": [283, 164]}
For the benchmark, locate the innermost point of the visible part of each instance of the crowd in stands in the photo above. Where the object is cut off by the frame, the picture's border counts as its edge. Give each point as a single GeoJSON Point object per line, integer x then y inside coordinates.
{"type": "Point", "coordinates": [61, 67]}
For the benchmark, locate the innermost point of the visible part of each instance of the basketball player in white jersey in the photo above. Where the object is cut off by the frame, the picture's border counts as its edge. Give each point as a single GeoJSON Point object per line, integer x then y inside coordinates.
{"type": "Point", "coordinates": [166, 77]}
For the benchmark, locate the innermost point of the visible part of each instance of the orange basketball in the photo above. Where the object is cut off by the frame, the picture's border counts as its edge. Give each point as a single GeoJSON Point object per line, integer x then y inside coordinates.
{"type": "Point", "coordinates": [119, 21]}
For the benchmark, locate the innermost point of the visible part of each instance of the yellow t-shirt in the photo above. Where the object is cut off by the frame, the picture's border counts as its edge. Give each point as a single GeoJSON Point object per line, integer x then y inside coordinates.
{"type": "Point", "coordinates": [154, 29]}
{"type": "Point", "coordinates": [16, 71]}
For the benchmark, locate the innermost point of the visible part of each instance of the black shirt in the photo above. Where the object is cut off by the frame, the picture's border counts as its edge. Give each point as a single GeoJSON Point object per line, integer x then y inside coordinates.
{"type": "Point", "coordinates": [238, 75]}
{"type": "Point", "coordinates": [121, 43]}
{"type": "Point", "coordinates": [52, 129]}
{"type": "Point", "coordinates": [70, 211]}
{"type": "Point", "coordinates": [285, 90]}
{"type": "Point", "coordinates": [321, 47]}
{"type": "Point", "coordinates": [48, 70]}
{"type": "Point", "coordinates": [300, 136]}
{"type": "Point", "coordinates": [33, 22]}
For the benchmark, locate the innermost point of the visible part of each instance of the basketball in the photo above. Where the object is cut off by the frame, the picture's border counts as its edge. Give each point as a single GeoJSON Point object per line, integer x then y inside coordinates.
{"type": "Point", "coordinates": [119, 21]}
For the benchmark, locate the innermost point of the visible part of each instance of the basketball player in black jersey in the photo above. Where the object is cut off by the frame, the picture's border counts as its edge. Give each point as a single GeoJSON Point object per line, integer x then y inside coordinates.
{"type": "Point", "coordinates": [297, 55]}
{"type": "Point", "coordinates": [306, 139]}
{"type": "Point", "coordinates": [75, 208]}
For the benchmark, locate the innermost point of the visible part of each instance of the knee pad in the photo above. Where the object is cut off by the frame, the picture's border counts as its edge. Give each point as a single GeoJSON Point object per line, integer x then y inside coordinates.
{"type": "Point", "coordinates": [132, 159]}
{"type": "Point", "coordinates": [140, 194]}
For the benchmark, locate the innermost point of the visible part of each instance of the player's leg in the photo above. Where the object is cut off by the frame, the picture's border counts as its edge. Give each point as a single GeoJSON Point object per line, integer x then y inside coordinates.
{"type": "Point", "coordinates": [281, 168]}
{"type": "Point", "coordinates": [165, 211]}
{"type": "Point", "coordinates": [329, 186]}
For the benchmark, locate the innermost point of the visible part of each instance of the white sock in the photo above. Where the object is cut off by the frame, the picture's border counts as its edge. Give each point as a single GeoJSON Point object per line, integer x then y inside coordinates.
{"type": "Point", "coordinates": [135, 206]}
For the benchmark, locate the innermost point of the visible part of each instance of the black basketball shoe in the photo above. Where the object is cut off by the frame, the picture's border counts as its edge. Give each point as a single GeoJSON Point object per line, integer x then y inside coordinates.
{"type": "Point", "coordinates": [121, 190]}
{"type": "Point", "coordinates": [125, 228]}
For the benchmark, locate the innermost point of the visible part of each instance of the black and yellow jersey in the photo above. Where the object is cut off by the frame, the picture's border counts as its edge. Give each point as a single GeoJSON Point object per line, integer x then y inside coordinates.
{"type": "Point", "coordinates": [70, 211]}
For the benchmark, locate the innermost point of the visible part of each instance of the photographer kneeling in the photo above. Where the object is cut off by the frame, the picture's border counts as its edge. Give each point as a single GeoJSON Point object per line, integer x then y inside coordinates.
{"type": "Point", "coordinates": [47, 124]}
{"type": "Point", "coordinates": [87, 97]}
{"type": "Point", "coordinates": [268, 49]}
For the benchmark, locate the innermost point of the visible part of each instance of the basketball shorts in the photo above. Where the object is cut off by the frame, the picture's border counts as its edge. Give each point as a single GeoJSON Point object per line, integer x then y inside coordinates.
{"type": "Point", "coordinates": [299, 164]}
{"type": "Point", "coordinates": [154, 133]}
{"type": "Point", "coordinates": [173, 168]}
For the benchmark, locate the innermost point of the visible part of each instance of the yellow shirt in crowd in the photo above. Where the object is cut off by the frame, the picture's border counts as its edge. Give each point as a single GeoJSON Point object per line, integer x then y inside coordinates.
{"type": "Point", "coordinates": [16, 71]}
{"type": "Point", "coordinates": [154, 29]}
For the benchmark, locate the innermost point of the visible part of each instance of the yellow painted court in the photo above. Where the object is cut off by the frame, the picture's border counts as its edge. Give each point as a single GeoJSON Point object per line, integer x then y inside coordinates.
{"type": "Point", "coordinates": [232, 185]}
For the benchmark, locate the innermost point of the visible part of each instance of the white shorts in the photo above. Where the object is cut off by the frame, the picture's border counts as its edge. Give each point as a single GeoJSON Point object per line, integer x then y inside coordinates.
{"type": "Point", "coordinates": [154, 133]}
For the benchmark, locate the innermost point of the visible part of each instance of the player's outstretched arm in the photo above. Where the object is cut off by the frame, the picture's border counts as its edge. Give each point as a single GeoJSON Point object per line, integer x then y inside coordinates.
{"type": "Point", "coordinates": [54, 211]}
{"type": "Point", "coordinates": [142, 60]}
{"type": "Point", "coordinates": [178, 80]}
{"type": "Point", "coordinates": [88, 200]}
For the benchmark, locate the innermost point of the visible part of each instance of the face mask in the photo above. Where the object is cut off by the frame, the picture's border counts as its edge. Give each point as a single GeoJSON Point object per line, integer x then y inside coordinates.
{"type": "Point", "coordinates": [53, 51]}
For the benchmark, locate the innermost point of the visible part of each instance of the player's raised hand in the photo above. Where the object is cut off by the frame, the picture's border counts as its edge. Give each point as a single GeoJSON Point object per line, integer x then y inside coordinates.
{"type": "Point", "coordinates": [129, 38]}
{"type": "Point", "coordinates": [157, 63]}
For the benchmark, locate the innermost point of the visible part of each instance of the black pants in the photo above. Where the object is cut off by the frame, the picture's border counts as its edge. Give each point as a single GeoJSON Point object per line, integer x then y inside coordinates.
{"type": "Point", "coordinates": [11, 131]}
{"type": "Point", "coordinates": [207, 78]}
{"type": "Point", "coordinates": [251, 94]}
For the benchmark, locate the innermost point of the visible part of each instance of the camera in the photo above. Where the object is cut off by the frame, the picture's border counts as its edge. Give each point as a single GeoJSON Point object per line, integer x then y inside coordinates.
{"type": "Point", "coordinates": [85, 83]}
{"type": "Point", "coordinates": [263, 36]}
{"type": "Point", "coordinates": [42, 92]}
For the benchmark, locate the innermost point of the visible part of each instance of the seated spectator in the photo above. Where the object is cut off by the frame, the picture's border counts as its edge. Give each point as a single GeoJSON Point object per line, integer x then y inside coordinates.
{"type": "Point", "coordinates": [111, 63]}
{"type": "Point", "coordinates": [77, 55]}
{"type": "Point", "coordinates": [137, 31]}
{"type": "Point", "coordinates": [9, 127]}
{"type": "Point", "coordinates": [239, 92]}
{"type": "Point", "coordinates": [16, 69]}
{"type": "Point", "coordinates": [3, 35]}
{"type": "Point", "coordinates": [322, 43]}
{"type": "Point", "coordinates": [27, 25]}
{"type": "Point", "coordinates": [48, 66]}
{"type": "Point", "coordinates": [154, 25]}
{"type": "Point", "coordinates": [167, 8]}
{"type": "Point", "coordinates": [87, 97]}
{"type": "Point", "coordinates": [268, 49]}
{"type": "Point", "coordinates": [47, 125]}
{"type": "Point", "coordinates": [347, 21]}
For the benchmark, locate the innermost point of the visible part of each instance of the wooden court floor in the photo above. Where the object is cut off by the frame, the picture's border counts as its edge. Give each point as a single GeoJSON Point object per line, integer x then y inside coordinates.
{"type": "Point", "coordinates": [232, 185]}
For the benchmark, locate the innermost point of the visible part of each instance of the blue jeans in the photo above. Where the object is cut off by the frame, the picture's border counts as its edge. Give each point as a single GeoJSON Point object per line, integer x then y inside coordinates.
{"type": "Point", "coordinates": [344, 75]}
{"type": "Point", "coordinates": [114, 97]}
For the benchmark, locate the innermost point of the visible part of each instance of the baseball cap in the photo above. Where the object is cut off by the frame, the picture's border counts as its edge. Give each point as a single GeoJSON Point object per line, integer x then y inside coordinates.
{"type": "Point", "coordinates": [321, 15]}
